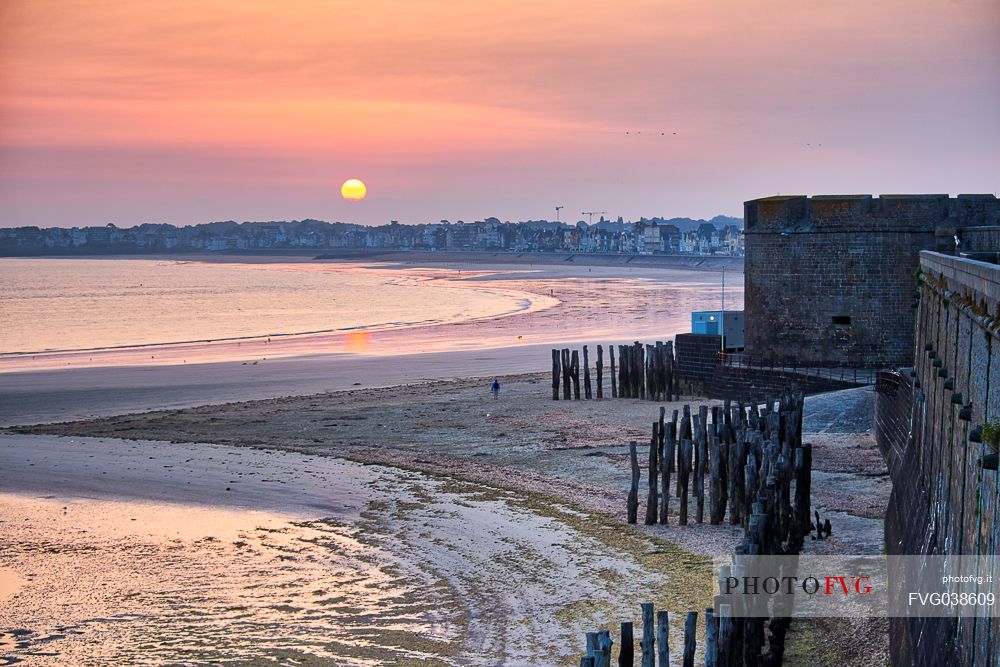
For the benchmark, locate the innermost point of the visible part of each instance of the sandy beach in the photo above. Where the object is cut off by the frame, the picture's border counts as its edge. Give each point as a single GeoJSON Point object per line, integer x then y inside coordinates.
{"type": "Point", "coordinates": [560, 463]}
{"type": "Point", "coordinates": [375, 507]}
{"type": "Point", "coordinates": [157, 549]}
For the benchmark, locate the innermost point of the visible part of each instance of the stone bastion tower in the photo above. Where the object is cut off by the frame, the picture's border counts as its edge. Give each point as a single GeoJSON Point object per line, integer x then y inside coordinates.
{"type": "Point", "coordinates": [830, 280]}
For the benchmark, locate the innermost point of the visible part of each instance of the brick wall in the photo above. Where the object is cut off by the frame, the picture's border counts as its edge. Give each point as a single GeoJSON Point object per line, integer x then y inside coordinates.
{"type": "Point", "coordinates": [697, 356]}
{"type": "Point", "coordinates": [698, 365]}
{"type": "Point", "coordinates": [829, 280]}
{"type": "Point", "coordinates": [942, 501]}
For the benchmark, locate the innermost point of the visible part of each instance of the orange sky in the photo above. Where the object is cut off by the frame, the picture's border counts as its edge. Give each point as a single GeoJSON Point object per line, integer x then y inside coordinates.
{"type": "Point", "coordinates": [188, 111]}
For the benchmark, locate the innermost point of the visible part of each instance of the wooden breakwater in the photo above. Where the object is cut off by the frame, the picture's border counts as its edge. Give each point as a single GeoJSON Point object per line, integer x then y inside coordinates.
{"type": "Point", "coordinates": [759, 477]}
{"type": "Point", "coordinates": [640, 370]}
{"type": "Point", "coordinates": [654, 647]}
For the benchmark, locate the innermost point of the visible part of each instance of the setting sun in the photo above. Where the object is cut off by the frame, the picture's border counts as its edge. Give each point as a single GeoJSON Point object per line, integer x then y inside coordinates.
{"type": "Point", "coordinates": [353, 190]}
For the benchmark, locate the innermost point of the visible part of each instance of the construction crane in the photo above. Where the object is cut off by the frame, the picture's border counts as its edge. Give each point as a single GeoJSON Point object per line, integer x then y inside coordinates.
{"type": "Point", "coordinates": [590, 214]}
{"type": "Point", "coordinates": [557, 212]}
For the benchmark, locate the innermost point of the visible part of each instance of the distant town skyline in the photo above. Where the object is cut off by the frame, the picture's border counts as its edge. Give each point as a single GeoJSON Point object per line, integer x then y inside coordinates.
{"type": "Point", "coordinates": [181, 112]}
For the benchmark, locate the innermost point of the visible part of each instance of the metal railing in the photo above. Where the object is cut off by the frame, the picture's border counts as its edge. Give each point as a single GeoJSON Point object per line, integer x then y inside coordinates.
{"type": "Point", "coordinates": [856, 376]}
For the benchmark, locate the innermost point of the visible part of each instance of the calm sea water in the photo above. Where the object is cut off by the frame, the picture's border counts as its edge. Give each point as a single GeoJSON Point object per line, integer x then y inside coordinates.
{"type": "Point", "coordinates": [91, 304]}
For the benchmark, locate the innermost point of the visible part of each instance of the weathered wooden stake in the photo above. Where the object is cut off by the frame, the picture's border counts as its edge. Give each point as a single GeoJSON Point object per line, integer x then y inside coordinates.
{"type": "Point", "coordinates": [633, 494]}
{"type": "Point", "coordinates": [648, 638]}
{"type": "Point", "coordinates": [654, 479]}
{"type": "Point", "coordinates": [716, 504]}
{"type": "Point", "coordinates": [556, 368]}
{"type": "Point", "coordinates": [726, 637]}
{"type": "Point", "coordinates": [614, 374]}
{"type": "Point", "coordinates": [690, 627]}
{"type": "Point", "coordinates": [669, 352]}
{"type": "Point", "coordinates": [626, 653]}
{"type": "Point", "coordinates": [649, 373]}
{"type": "Point", "coordinates": [575, 363]}
{"type": "Point", "coordinates": [711, 639]}
{"type": "Point", "coordinates": [600, 371]}
{"type": "Point", "coordinates": [567, 391]}
{"type": "Point", "coordinates": [662, 432]}
{"type": "Point", "coordinates": [586, 375]}
{"type": "Point", "coordinates": [683, 474]}
{"type": "Point", "coordinates": [623, 386]}
{"type": "Point", "coordinates": [686, 424]}
{"type": "Point", "coordinates": [701, 462]}
{"type": "Point", "coordinates": [663, 638]}
{"type": "Point", "coordinates": [638, 386]}
{"type": "Point", "coordinates": [602, 655]}
{"type": "Point", "coordinates": [669, 446]}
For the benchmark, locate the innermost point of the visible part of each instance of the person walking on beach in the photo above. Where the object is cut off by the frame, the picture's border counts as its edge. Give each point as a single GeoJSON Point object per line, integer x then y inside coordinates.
{"type": "Point", "coordinates": [495, 388]}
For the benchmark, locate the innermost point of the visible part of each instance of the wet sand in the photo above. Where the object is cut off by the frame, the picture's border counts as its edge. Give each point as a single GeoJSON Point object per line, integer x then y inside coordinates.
{"type": "Point", "coordinates": [152, 552]}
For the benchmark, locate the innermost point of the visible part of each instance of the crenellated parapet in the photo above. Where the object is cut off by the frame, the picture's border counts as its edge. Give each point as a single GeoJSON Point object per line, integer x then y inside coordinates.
{"type": "Point", "coordinates": [829, 278]}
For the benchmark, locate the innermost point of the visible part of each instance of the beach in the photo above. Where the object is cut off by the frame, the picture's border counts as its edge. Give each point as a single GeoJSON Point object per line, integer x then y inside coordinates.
{"type": "Point", "coordinates": [370, 507]}
{"type": "Point", "coordinates": [304, 458]}
{"type": "Point", "coordinates": [160, 551]}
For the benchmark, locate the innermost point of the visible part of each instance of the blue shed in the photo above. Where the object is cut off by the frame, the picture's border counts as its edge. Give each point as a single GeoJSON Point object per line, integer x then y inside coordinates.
{"type": "Point", "coordinates": [728, 323]}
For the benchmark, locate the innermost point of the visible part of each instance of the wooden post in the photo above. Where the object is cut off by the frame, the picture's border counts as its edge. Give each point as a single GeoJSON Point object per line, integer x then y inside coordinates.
{"type": "Point", "coordinates": [669, 352]}
{"type": "Point", "coordinates": [654, 479]}
{"type": "Point", "coordinates": [650, 373]}
{"type": "Point", "coordinates": [717, 504]}
{"type": "Point", "coordinates": [696, 428]}
{"type": "Point", "coordinates": [592, 648]}
{"type": "Point", "coordinates": [637, 377]}
{"type": "Point", "coordinates": [803, 481]}
{"type": "Point", "coordinates": [683, 474]}
{"type": "Point", "coordinates": [711, 639]}
{"type": "Point", "coordinates": [567, 391]}
{"type": "Point", "coordinates": [614, 376]}
{"type": "Point", "coordinates": [736, 460]}
{"type": "Point", "coordinates": [701, 462]}
{"type": "Point", "coordinates": [586, 375]}
{"type": "Point", "coordinates": [602, 655]}
{"type": "Point", "coordinates": [670, 440]}
{"type": "Point", "coordinates": [600, 371]}
{"type": "Point", "coordinates": [658, 371]}
{"type": "Point", "coordinates": [725, 653]}
{"type": "Point", "coordinates": [648, 638]}
{"type": "Point", "coordinates": [633, 494]}
{"type": "Point", "coordinates": [623, 387]}
{"type": "Point", "coordinates": [576, 374]}
{"type": "Point", "coordinates": [663, 638]}
{"type": "Point", "coordinates": [662, 421]}
{"type": "Point", "coordinates": [690, 627]}
{"type": "Point", "coordinates": [673, 419]}
{"type": "Point", "coordinates": [556, 368]}
{"type": "Point", "coordinates": [626, 653]}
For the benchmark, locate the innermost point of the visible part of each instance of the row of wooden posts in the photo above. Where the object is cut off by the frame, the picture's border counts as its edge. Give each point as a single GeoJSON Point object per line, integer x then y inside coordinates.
{"type": "Point", "coordinates": [691, 446]}
{"type": "Point", "coordinates": [760, 475]}
{"type": "Point", "coordinates": [643, 371]}
{"type": "Point", "coordinates": [655, 643]}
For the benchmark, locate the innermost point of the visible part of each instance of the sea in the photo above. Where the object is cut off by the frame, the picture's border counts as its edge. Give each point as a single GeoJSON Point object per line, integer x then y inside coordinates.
{"type": "Point", "coordinates": [81, 305]}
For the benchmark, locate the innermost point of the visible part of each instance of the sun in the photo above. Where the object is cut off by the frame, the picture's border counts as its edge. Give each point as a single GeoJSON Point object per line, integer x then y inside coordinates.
{"type": "Point", "coordinates": [353, 190]}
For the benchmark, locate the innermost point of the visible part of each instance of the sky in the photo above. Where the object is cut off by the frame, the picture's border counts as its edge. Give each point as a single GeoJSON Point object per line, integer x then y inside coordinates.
{"type": "Point", "coordinates": [186, 111]}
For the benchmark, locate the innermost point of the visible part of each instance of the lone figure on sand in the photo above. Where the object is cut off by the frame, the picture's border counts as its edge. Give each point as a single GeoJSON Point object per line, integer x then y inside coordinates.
{"type": "Point", "coordinates": [495, 388]}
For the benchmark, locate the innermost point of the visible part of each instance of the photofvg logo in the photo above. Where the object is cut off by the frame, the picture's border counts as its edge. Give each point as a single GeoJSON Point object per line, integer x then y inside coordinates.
{"type": "Point", "coordinates": [788, 585]}
{"type": "Point", "coordinates": [804, 586]}
{"type": "Point", "coordinates": [856, 586]}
